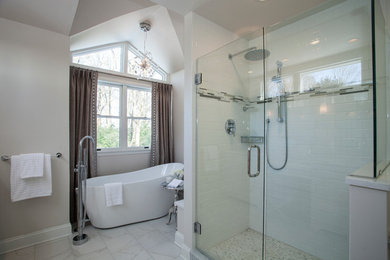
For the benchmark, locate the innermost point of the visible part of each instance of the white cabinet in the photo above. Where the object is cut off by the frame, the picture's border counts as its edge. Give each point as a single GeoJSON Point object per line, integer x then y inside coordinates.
{"type": "Point", "coordinates": [368, 226]}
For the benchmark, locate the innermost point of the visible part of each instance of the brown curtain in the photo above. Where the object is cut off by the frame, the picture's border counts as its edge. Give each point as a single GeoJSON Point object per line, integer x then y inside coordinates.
{"type": "Point", "coordinates": [162, 131]}
{"type": "Point", "coordinates": [82, 117]}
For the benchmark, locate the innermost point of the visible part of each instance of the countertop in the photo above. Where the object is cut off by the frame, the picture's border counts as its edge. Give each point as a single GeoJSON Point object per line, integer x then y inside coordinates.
{"type": "Point", "coordinates": [380, 183]}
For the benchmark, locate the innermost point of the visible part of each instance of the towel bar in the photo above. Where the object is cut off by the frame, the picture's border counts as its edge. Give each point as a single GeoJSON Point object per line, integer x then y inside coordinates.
{"type": "Point", "coordinates": [7, 157]}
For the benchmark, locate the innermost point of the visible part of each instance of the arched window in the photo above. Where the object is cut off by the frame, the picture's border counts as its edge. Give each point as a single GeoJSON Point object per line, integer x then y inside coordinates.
{"type": "Point", "coordinates": [119, 57]}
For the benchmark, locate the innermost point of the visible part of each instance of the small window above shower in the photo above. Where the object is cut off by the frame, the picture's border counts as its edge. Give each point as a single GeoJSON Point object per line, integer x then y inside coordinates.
{"type": "Point", "coordinates": [346, 74]}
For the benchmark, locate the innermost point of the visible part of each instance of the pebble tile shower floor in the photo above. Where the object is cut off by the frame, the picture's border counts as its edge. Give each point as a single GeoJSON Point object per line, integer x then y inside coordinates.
{"type": "Point", "coordinates": [152, 240]}
{"type": "Point", "coordinates": [248, 246]}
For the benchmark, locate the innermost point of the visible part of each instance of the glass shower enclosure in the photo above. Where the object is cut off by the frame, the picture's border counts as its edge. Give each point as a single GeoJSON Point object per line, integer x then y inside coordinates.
{"type": "Point", "coordinates": [283, 116]}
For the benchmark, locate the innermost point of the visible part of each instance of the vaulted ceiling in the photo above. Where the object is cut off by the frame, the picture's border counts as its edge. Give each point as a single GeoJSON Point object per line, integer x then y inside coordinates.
{"type": "Point", "coordinates": [73, 16]}
{"type": "Point", "coordinates": [52, 15]}
{"type": "Point", "coordinates": [117, 20]}
{"type": "Point", "coordinates": [93, 12]}
{"type": "Point", "coordinates": [162, 40]}
{"type": "Point", "coordinates": [242, 16]}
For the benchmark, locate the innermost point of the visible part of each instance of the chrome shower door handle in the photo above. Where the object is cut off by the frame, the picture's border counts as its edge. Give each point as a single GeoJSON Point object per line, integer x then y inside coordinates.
{"type": "Point", "coordinates": [258, 160]}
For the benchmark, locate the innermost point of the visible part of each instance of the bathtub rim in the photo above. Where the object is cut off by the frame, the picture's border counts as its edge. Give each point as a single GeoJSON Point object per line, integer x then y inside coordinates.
{"type": "Point", "coordinates": [145, 179]}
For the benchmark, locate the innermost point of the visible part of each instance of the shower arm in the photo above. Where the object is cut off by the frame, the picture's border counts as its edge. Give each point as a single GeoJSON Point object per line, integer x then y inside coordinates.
{"type": "Point", "coordinates": [240, 52]}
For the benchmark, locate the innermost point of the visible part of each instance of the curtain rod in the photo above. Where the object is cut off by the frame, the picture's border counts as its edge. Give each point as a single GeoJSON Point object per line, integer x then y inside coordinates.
{"type": "Point", "coordinates": [117, 74]}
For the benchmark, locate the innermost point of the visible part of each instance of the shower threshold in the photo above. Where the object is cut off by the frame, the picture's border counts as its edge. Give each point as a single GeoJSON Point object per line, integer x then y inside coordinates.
{"type": "Point", "coordinates": [247, 246]}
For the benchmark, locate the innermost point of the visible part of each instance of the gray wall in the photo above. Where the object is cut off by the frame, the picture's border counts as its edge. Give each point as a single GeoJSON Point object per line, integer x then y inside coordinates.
{"type": "Point", "coordinates": [34, 73]}
{"type": "Point", "coordinates": [201, 37]}
{"type": "Point", "coordinates": [122, 162]}
{"type": "Point", "coordinates": [177, 80]}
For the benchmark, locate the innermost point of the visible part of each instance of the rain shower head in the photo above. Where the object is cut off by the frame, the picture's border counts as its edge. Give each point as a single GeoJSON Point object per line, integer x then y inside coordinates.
{"type": "Point", "coordinates": [257, 54]}
{"type": "Point", "coordinates": [252, 54]}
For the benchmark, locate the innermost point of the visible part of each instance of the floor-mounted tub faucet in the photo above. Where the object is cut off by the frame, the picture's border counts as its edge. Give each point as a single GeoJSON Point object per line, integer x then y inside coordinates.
{"type": "Point", "coordinates": [82, 170]}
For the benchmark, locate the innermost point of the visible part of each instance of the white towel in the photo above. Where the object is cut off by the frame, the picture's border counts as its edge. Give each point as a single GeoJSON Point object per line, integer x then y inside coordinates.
{"type": "Point", "coordinates": [22, 189]}
{"type": "Point", "coordinates": [114, 195]}
{"type": "Point", "coordinates": [28, 165]}
{"type": "Point", "coordinates": [175, 183]}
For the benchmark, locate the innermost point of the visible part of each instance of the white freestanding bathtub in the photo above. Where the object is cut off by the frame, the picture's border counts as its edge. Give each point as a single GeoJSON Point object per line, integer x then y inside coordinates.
{"type": "Point", "coordinates": [143, 197]}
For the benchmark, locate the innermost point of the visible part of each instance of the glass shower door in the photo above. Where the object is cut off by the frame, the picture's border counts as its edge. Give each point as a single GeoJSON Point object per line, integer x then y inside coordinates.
{"type": "Point", "coordinates": [230, 151]}
{"type": "Point", "coordinates": [308, 94]}
{"type": "Point", "coordinates": [319, 128]}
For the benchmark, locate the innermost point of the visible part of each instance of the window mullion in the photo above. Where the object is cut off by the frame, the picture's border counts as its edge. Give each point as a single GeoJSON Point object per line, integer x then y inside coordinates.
{"type": "Point", "coordinates": [125, 57]}
{"type": "Point", "coordinates": [113, 117]}
{"type": "Point", "coordinates": [123, 120]}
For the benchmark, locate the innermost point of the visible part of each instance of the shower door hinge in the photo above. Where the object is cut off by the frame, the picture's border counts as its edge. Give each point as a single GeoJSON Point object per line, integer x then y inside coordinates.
{"type": "Point", "coordinates": [198, 78]}
{"type": "Point", "coordinates": [197, 228]}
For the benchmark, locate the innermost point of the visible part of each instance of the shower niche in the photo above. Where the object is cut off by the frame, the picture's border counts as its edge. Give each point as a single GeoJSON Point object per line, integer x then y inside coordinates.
{"type": "Point", "coordinates": [252, 139]}
{"type": "Point", "coordinates": [304, 92]}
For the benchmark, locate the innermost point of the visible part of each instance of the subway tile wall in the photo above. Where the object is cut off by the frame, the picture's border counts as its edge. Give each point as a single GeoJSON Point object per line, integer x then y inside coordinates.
{"type": "Point", "coordinates": [307, 202]}
{"type": "Point", "coordinates": [222, 181]}
{"type": "Point", "coordinates": [329, 137]}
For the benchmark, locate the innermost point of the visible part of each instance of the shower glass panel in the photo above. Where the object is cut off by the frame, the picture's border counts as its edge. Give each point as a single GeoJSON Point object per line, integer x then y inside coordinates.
{"type": "Point", "coordinates": [314, 90]}
{"type": "Point", "coordinates": [319, 128]}
{"type": "Point", "coordinates": [229, 202]}
{"type": "Point", "coordinates": [382, 56]}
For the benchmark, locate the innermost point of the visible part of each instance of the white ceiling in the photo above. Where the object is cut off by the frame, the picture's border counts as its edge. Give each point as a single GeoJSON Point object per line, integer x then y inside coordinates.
{"type": "Point", "coordinates": [52, 15]}
{"type": "Point", "coordinates": [162, 40]}
{"type": "Point", "coordinates": [93, 12]}
{"type": "Point", "coordinates": [94, 22]}
{"type": "Point", "coordinates": [185, 6]}
{"type": "Point", "coordinates": [242, 16]}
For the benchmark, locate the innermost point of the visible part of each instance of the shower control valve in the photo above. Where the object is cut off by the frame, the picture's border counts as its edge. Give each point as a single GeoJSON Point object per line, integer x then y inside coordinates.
{"type": "Point", "coordinates": [230, 127]}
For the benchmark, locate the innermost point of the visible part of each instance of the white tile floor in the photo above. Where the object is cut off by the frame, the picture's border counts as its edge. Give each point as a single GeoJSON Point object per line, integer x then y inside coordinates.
{"type": "Point", "coordinates": [148, 240]}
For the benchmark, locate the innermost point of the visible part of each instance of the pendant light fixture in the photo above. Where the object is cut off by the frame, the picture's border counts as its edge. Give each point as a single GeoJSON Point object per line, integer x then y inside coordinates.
{"type": "Point", "coordinates": [145, 64]}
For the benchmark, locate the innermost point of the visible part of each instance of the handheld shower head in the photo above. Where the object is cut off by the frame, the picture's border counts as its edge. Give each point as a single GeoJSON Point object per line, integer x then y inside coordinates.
{"type": "Point", "coordinates": [278, 77]}
{"type": "Point", "coordinates": [278, 80]}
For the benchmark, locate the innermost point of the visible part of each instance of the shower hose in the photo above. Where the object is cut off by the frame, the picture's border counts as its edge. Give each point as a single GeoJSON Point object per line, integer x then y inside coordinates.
{"type": "Point", "coordinates": [267, 144]}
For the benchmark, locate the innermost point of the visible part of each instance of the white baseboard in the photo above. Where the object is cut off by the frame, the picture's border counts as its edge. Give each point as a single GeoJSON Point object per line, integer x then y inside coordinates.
{"type": "Point", "coordinates": [44, 235]}
{"type": "Point", "coordinates": [185, 252]}
{"type": "Point", "coordinates": [179, 239]}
